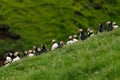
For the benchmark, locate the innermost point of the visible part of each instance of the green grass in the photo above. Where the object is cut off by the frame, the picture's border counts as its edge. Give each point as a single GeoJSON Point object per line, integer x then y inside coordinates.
{"type": "Point", "coordinates": [95, 59]}
{"type": "Point", "coordinates": [52, 18]}
{"type": "Point", "coordinates": [39, 21]}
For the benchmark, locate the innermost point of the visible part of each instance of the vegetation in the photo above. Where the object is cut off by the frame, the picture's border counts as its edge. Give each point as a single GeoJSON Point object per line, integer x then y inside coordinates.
{"type": "Point", "coordinates": [39, 21]}
{"type": "Point", "coordinates": [95, 59]}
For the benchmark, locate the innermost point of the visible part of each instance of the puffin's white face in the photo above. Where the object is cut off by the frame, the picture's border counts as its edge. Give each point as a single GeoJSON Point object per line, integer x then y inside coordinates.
{"type": "Point", "coordinates": [34, 47]}
{"type": "Point", "coordinates": [30, 51]}
{"type": "Point", "coordinates": [39, 49]}
{"type": "Point", "coordinates": [26, 52]}
{"type": "Point", "coordinates": [16, 53]}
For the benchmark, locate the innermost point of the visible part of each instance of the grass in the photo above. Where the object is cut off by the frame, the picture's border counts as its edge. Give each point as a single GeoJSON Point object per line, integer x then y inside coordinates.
{"type": "Point", "coordinates": [95, 59]}
{"type": "Point", "coordinates": [40, 21]}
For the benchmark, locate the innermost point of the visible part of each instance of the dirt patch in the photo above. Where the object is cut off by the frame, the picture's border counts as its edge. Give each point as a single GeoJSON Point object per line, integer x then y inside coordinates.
{"type": "Point", "coordinates": [2, 59]}
{"type": "Point", "coordinates": [6, 34]}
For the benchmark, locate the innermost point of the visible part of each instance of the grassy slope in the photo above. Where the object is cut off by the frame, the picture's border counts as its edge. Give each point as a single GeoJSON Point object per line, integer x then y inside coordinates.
{"type": "Point", "coordinates": [52, 18]}
{"type": "Point", "coordinates": [95, 59]}
{"type": "Point", "coordinates": [33, 19]}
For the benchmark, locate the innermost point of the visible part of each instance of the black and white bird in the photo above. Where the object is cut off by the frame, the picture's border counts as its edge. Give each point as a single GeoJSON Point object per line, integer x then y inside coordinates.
{"type": "Point", "coordinates": [8, 59]}
{"type": "Point", "coordinates": [43, 48]}
{"type": "Point", "coordinates": [109, 26]}
{"type": "Point", "coordinates": [70, 41]}
{"type": "Point", "coordinates": [61, 44]}
{"type": "Point", "coordinates": [100, 28]}
{"type": "Point", "coordinates": [30, 53]}
{"type": "Point", "coordinates": [114, 24]}
{"type": "Point", "coordinates": [54, 45]}
{"type": "Point", "coordinates": [75, 38]}
{"type": "Point", "coordinates": [90, 33]}
{"type": "Point", "coordinates": [82, 34]}
{"type": "Point", "coordinates": [16, 57]}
